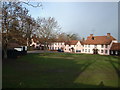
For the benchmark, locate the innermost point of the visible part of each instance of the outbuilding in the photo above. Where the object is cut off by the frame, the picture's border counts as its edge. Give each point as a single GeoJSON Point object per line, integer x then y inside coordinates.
{"type": "Point", "coordinates": [115, 49]}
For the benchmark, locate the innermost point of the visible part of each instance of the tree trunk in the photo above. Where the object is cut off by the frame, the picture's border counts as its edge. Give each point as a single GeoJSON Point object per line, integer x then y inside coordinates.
{"type": "Point", "coordinates": [5, 53]}
{"type": "Point", "coordinates": [28, 43]}
{"type": "Point", "coordinates": [45, 46]}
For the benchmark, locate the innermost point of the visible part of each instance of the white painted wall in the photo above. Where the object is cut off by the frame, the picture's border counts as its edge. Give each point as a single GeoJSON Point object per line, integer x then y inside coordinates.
{"type": "Point", "coordinates": [78, 46]}
{"type": "Point", "coordinates": [67, 47]}
{"type": "Point", "coordinates": [83, 48]}
{"type": "Point", "coordinates": [56, 45]}
{"type": "Point", "coordinates": [89, 49]}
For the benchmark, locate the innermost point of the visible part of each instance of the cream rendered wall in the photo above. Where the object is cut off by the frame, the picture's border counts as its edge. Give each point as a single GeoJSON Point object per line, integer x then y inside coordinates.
{"type": "Point", "coordinates": [108, 48]}
{"type": "Point", "coordinates": [72, 46]}
{"type": "Point", "coordinates": [104, 49]}
{"type": "Point", "coordinates": [56, 45]}
{"type": "Point", "coordinates": [78, 46]}
{"type": "Point", "coordinates": [88, 49]}
{"type": "Point", "coordinates": [99, 47]}
{"type": "Point", "coordinates": [66, 48]}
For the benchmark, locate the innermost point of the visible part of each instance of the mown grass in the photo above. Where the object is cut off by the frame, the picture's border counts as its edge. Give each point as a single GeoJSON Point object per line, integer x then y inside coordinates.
{"type": "Point", "coordinates": [61, 70]}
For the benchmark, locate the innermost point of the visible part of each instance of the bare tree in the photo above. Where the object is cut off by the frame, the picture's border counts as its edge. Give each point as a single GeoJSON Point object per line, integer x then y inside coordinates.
{"type": "Point", "coordinates": [48, 29]}
{"type": "Point", "coordinates": [67, 37]}
{"type": "Point", "coordinates": [72, 36]}
{"type": "Point", "coordinates": [30, 29]}
{"type": "Point", "coordinates": [39, 4]}
{"type": "Point", "coordinates": [13, 18]}
{"type": "Point", "coordinates": [17, 25]}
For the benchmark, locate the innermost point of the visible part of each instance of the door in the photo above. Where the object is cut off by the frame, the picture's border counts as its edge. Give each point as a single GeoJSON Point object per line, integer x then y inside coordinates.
{"type": "Point", "coordinates": [95, 51]}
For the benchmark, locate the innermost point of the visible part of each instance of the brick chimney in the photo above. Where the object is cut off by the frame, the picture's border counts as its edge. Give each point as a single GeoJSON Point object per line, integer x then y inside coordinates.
{"type": "Point", "coordinates": [91, 35]}
{"type": "Point", "coordinates": [83, 39]}
{"type": "Point", "coordinates": [108, 34]}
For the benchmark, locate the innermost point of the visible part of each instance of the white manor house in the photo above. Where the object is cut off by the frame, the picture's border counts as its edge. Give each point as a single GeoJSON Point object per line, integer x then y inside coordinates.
{"type": "Point", "coordinates": [92, 45]}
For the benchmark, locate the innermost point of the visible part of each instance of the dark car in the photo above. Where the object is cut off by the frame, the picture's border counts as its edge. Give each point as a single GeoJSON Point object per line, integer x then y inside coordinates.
{"type": "Point", "coordinates": [60, 50]}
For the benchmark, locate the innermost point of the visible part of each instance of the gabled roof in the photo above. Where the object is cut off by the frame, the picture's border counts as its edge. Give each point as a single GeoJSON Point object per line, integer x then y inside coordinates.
{"type": "Point", "coordinates": [115, 46]}
{"type": "Point", "coordinates": [58, 41]}
{"type": "Point", "coordinates": [99, 40]}
{"type": "Point", "coordinates": [73, 42]}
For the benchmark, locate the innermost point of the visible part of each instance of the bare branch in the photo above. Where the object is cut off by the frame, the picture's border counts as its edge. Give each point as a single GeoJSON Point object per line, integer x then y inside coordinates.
{"type": "Point", "coordinates": [38, 4]}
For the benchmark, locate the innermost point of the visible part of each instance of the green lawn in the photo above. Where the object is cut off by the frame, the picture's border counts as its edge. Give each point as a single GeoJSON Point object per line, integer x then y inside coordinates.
{"type": "Point", "coordinates": [61, 70]}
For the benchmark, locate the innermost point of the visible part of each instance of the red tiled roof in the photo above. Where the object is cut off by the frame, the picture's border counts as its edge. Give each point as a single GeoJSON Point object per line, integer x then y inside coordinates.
{"type": "Point", "coordinates": [58, 41]}
{"type": "Point", "coordinates": [99, 40]}
{"type": "Point", "coordinates": [73, 42]}
{"type": "Point", "coordinates": [115, 46]}
{"type": "Point", "coordinates": [82, 42]}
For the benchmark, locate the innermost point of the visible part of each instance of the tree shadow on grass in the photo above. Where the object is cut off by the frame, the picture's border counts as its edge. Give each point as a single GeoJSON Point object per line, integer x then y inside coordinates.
{"type": "Point", "coordinates": [45, 74]}
{"type": "Point", "coordinates": [81, 85]}
{"type": "Point", "coordinates": [84, 66]}
{"type": "Point", "coordinates": [115, 67]}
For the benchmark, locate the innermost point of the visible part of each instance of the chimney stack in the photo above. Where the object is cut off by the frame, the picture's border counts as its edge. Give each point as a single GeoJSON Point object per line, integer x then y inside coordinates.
{"type": "Point", "coordinates": [83, 39]}
{"type": "Point", "coordinates": [91, 35]}
{"type": "Point", "coordinates": [108, 34]}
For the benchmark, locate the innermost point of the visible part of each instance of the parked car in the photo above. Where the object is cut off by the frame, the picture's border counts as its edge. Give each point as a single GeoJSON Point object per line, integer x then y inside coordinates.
{"type": "Point", "coordinates": [22, 48]}
{"type": "Point", "coordinates": [78, 50]}
{"type": "Point", "coordinates": [12, 53]}
{"type": "Point", "coordinates": [15, 52]}
{"type": "Point", "coordinates": [60, 50]}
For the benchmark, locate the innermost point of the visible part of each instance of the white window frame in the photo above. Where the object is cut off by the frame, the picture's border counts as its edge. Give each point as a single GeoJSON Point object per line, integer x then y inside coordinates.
{"type": "Point", "coordinates": [102, 51]}
{"type": "Point", "coordinates": [102, 46]}
{"type": "Point", "coordinates": [85, 50]}
{"type": "Point", "coordinates": [88, 50]}
{"type": "Point", "coordinates": [106, 46]}
{"type": "Point", "coordinates": [106, 52]}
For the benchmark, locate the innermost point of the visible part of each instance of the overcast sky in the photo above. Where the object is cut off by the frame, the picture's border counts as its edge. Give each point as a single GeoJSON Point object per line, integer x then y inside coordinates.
{"type": "Point", "coordinates": [82, 18]}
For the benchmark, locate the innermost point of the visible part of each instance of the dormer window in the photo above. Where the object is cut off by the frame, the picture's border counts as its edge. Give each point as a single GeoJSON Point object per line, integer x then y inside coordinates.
{"type": "Point", "coordinates": [102, 46]}
{"type": "Point", "coordinates": [105, 46]}
{"type": "Point", "coordinates": [93, 38]}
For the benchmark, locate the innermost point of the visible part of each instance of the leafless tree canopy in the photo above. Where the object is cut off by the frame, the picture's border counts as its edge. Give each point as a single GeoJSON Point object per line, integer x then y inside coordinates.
{"type": "Point", "coordinates": [48, 29]}
{"type": "Point", "coordinates": [67, 37]}
{"type": "Point", "coordinates": [18, 26]}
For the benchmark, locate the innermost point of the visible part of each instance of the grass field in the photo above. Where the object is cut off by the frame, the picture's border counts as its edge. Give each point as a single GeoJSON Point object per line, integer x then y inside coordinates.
{"type": "Point", "coordinates": [61, 70]}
